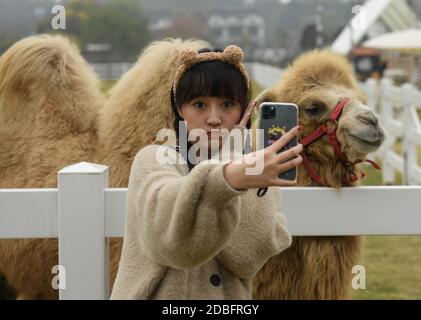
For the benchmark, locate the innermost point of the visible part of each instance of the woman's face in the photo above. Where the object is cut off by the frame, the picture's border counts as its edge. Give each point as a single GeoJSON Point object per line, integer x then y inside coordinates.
{"type": "Point", "coordinates": [211, 114]}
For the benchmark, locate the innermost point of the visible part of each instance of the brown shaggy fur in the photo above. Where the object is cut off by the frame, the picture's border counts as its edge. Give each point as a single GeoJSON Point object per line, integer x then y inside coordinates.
{"type": "Point", "coordinates": [52, 114]}
{"type": "Point", "coordinates": [48, 107]}
{"type": "Point", "coordinates": [314, 267]}
{"type": "Point", "coordinates": [49, 100]}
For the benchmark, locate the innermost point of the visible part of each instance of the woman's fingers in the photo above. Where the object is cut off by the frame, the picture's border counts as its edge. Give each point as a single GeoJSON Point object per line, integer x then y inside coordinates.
{"type": "Point", "coordinates": [285, 183]}
{"type": "Point", "coordinates": [281, 142]}
{"type": "Point", "coordinates": [250, 107]}
{"type": "Point", "coordinates": [247, 113]}
{"type": "Point", "coordinates": [285, 166]}
{"type": "Point", "coordinates": [289, 154]}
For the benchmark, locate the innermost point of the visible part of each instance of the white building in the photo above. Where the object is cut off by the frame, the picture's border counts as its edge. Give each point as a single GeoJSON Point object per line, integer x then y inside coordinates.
{"type": "Point", "coordinates": [248, 28]}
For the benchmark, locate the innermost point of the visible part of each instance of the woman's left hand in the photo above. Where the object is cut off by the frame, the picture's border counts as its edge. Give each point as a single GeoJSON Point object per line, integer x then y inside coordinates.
{"type": "Point", "coordinates": [247, 113]}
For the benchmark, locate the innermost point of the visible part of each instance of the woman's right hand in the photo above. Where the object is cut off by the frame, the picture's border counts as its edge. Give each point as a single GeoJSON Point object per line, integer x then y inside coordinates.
{"type": "Point", "coordinates": [273, 165]}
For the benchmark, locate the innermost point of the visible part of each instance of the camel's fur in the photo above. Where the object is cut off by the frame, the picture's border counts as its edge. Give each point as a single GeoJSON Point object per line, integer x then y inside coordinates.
{"type": "Point", "coordinates": [49, 100]}
{"type": "Point", "coordinates": [314, 267]}
{"type": "Point", "coordinates": [48, 108]}
{"type": "Point", "coordinates": [52, 115]}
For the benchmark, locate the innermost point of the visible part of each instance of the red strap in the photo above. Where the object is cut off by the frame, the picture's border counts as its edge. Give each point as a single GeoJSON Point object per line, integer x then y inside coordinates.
{"type": "Point", "coordinates": [311, 172]}
{"type": "Point", "coordinates": [333, 140]}
{"type": "Point", "coordinates": [374, 164]}
{"type": "Point", "coordinates": [318, 179]}
{"type": "Point", "coordinates": [336, 145]}
{"type": "Point", "coordinates": [314, 135]}
{"type": "Point", "coordinates": [352, 176]}
{"type": "Point", "coordinates": [334, 115]}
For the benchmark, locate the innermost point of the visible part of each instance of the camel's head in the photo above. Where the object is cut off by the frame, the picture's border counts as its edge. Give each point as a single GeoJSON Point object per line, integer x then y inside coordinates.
{"type": "Point", "coordinates": [317, 82]}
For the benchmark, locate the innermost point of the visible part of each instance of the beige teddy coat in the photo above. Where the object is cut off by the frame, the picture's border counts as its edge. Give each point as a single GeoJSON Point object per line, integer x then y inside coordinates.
{"type": "Point", "coordinates": [189, 235]}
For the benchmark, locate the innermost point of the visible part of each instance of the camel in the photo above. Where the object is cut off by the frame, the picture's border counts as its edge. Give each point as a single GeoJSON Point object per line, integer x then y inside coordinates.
{"type": "Point", "coordinates": [321, 267]}
{"type": "Point", "coordinates": [52, 114]}
{"type": "Point", "coordinates": [58, 99]}
{"type": "Point", "coordinates": [49, 101]}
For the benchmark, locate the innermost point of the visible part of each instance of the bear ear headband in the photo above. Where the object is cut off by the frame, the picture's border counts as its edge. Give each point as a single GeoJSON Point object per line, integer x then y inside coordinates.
{"type": "Point", "coordinates": [232, 55]}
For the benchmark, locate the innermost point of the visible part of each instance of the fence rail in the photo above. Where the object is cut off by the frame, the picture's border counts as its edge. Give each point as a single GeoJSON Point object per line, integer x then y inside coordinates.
{"type": "Point", "coordinates": [398, 109]}
{"type": "Point", "coordinates": [264, 74]}
{"type": "Point", "coordinates": [83, 212]}
{"type": "Point", "coordinates": [111, 71]}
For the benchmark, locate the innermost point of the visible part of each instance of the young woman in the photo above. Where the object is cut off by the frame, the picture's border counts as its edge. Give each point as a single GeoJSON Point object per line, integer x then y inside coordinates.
{"type": "Point", "coordinates": [197, 230]}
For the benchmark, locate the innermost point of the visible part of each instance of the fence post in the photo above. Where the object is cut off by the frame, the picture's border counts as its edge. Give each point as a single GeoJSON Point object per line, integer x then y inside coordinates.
{"type": "Point", "coordinates": [406, 145]}
{"type": "Point", "coordinates": [386, 113]}
{"type": "Point", "coordinates": [83, 249]}
{"type": "Point", "coordinates": [412, 126]}
{"type": "Point", "coordinates": [371, 90]}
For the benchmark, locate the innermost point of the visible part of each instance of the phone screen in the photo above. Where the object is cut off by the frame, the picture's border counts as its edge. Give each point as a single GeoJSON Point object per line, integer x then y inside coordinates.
{"type": "Point", "coordinates": [276, 119]}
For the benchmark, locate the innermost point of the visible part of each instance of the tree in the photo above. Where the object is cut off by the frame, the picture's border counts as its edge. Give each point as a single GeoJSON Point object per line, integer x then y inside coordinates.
{"type": "Point", "coordinates": [118, 23]}
{"type": "Point", "coordinates": [189, 26]}
{"type": "Point", "coordinates": [6, 41]}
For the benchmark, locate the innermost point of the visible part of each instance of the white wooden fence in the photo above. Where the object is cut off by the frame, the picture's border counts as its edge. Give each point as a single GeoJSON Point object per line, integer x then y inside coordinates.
{"type": "Point", "coordinates": [111, 71]}
{"type": "Point", "coordinates": [265, 75]}
{"type": "Point", "coordinates": [397, 108]}
{"type": "Point", "coordinates": [82, 212]}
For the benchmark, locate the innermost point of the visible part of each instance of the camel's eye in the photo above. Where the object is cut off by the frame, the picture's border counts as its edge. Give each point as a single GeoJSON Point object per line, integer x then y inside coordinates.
{"type": "Point", "coordinates": [314, 110]}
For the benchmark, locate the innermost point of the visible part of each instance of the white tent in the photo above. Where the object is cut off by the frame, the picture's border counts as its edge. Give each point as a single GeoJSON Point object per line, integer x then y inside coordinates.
{"type": "Point", "coordinates": [408, 41]}
{"type": "Point", "coordinates": [373, 18]}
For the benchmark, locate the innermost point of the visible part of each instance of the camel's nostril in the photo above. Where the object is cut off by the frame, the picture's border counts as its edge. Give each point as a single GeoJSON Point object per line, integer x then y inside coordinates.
{"type": "Point", "coordinates": [368, 118]}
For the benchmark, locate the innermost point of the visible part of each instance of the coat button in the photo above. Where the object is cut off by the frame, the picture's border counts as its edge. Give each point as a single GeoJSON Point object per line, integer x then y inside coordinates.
{"type": "Point", "coordinates": [215, 280]}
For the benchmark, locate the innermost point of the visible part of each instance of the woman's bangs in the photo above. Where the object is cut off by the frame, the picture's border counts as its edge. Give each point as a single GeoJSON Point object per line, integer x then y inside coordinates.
{"type": "Point", "coordinates": [215, 79]}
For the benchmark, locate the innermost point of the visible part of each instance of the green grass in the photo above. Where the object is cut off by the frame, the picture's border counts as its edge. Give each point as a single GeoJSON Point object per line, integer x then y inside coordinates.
{"type": "Point", "coordinates": [392, 263]}
{"type": "Point", "coordinates": [106, 85]}
{"type": "Point", "coordinates": [398, 149]}
{"type": "Point", "coordinates": [255, 89]}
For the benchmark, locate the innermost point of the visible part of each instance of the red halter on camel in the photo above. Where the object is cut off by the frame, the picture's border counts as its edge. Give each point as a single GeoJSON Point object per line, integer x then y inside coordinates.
{"type": "Point", "coordinates": [334, 142]}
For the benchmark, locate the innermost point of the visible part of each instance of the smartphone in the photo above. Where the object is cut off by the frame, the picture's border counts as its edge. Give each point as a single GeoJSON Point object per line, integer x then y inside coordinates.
{"type": "Point", "coordinates": [276, 119]}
